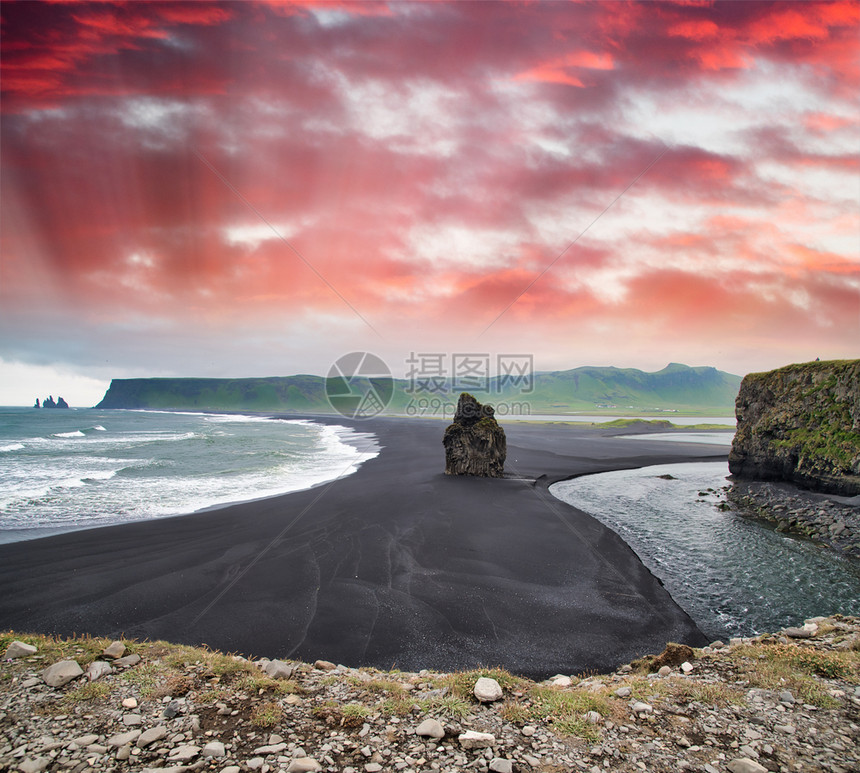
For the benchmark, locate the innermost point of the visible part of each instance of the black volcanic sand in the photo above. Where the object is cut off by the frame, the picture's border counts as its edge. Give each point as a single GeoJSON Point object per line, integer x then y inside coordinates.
{"type": "Point", "coordinates": [397, 565]}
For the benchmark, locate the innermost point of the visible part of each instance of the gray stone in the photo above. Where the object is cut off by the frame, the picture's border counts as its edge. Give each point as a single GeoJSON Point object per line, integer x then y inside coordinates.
{"type": "Point", "coordinates": [430, 728]}
{"type": "Point", "coordinates": [132, 720]}
{"type": "Point", "coordinates": [372, 767]}
{"type": "Point", "coordinates": [97, 669]}
{"type": "Point", "coordinates": [798, 633]}
{"type": "Point", "coordinates": [474, 740]}
{"type": "Point", "coordinates": [786, 697]}
{"type": "Point", "coordinates": [592, 717]}
{"type": "Point", "coordinates": [664, 671]}
{"type": "Point", "coordinates": [184, 753]}
{"type": "Point", "coordinates": [500, 765]}
{"type": "Point", "coordinates": [560, 680]}
{"type": "Point", "coordinates": [128, 660]}
{"type": "Point", "coordinates": [19, 649]}
{"type": "Point", "coordinates": [272, 748]}
{"type": "Point", "coordinates": [214, 749]}
{"type": "Point", "coordinates": [487, 690]}
{"type": "Point", "coordinates": [745, 765]}
{"type": "Point", "coordinates": [123, 738]}
{"type": "Point", "coordinates": [85, 740]}
{"type": "Point", "coordinates": [528, 731]}
{"type": "Point", "coordinates": [278, 669]}
{"type": "Point", "coordinates": [61, 673]}
{"type": "Point", "coordinates": [114, 650]}
{"type": "Point", "coordinates": [623, 692]}
{"type": "Point", "coordinates": [303, 765]}
{"type": "Point", "coordinates": [231, 769]}
{"type": "Point", "coordinates": [150, 736]}
{"type": "Point", "coordinates": [171, 769]}
{"type": "Point", "coordinates": [640, 707]}
{"type": "Point", "coordinates": [324, 665]}
{"type": "Point", "coordinates": [37, 765]}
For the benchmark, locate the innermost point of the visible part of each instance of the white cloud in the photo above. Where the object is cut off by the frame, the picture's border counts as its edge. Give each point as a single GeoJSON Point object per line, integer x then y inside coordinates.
{"type": "Point", "coordinates": [22, 383]}
{"type": "Point", "coordinates": [462, 247]}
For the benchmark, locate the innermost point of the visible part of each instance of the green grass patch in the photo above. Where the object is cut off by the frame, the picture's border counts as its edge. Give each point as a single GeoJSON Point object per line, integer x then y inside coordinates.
{"type": "Point", "coordinates": [798, 669]}
{"type": "Point", "coordinates": [447, 705]}
{"type": "Point", "coordinates": [267, 715]}
{"type": "Point", "coordinates": [566, 710]}
{"type": "Point", "coordinates": [90, 692]}
{"type": "Point", "coordinates": [462, 684]}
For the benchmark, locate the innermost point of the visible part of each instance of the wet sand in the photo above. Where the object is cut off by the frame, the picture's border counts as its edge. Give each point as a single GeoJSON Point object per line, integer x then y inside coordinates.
{"type": "Point", "coordinates": [397, 565]}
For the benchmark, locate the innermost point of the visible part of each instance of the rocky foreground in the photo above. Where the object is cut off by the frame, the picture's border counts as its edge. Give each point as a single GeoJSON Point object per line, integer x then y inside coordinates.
{"type": "Point", "coordinates": [784, 702]}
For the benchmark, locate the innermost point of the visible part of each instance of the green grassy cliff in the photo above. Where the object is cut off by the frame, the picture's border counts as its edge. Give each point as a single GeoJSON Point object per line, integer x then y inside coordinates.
{"type": "Point", "coordinates": [677, 387]}
{"type": "Point", "coordinates": [801, 423]}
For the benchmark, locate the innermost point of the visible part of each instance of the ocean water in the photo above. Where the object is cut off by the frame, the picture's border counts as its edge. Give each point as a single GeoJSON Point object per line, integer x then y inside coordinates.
{"type": "Point", "coordinates": [62, 470]}
{"type": "Point", "coordinates": [735, 576]}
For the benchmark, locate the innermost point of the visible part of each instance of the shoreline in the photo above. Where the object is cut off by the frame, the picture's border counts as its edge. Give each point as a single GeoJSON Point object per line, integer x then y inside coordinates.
{"type": "Point", "coordinates": [826, 519]}
{"type": "Point", "coordinates": [396, 564]}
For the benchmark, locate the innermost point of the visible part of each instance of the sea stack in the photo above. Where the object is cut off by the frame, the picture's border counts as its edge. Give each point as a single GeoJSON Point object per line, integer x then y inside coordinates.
{"type": "Point", "coordinates": [801, 424]}
{"type": "Point", "coordinates": [475, 444]}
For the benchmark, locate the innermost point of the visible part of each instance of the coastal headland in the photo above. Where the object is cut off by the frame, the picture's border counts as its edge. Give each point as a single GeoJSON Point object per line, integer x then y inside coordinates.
{"type": "Point", "coordinates": [397, 565]}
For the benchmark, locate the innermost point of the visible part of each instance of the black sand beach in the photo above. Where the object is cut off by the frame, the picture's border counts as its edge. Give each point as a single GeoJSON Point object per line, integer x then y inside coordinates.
{"type": "Point", "coordinates": [397, 565]}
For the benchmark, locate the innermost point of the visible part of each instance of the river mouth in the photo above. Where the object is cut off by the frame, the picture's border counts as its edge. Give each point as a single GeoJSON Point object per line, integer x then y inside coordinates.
{"type": "Point", "coordinates": [734, 575]}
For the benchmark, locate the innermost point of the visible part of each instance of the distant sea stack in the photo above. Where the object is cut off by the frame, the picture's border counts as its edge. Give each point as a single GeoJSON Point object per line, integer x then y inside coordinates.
{"type": "Point", "coordinates": [801, 424]}
{"type": "Point", "coordinates": [48, 402]}
{"type": "Point", "coordinates": [475, 444]}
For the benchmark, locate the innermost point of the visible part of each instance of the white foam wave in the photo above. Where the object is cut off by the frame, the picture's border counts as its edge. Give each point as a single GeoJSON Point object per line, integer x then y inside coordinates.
{"type": "Point", "coordinates": [76, 433]}
{"type": "Point", "coordinates": [99, 428]}
{"type": "Point", "coordinates": [12, 447]}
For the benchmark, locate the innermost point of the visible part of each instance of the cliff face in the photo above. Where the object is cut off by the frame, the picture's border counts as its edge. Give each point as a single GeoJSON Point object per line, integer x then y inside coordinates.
{"type": "Point", "coordinates": [801, 424]}
{"type": "Point", "coordinates": [475, 444]}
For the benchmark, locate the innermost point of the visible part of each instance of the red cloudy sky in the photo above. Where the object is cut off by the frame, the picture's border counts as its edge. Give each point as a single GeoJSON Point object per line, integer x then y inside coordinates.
{"type": "Point", "coordinates": [255, 188]}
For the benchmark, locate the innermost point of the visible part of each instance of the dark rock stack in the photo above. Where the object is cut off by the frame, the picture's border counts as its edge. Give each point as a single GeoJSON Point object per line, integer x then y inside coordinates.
{"type": "Point", "coordinates": [48, 402]}
{"type": "Point", "coordinates": [475, 443]}
{"type": "Point", "coordinates": [801, 424]}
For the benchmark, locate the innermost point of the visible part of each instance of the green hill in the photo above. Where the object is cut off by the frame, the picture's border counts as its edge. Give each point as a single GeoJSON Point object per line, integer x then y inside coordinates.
{"type": "Point", "coordinates": [676, 387]}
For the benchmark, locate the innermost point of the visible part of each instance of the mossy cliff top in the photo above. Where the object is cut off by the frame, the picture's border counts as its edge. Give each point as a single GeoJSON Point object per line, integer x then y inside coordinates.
{"type": "Point", "coordinates": [801, 423]}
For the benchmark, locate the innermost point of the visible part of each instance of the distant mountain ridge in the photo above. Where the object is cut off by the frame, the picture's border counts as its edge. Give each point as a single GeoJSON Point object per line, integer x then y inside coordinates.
{"type": "Point", "coordinates": [674, 388]}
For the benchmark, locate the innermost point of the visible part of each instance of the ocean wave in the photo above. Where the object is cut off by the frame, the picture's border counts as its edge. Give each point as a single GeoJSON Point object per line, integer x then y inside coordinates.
{"type": "Point", "coordinates": [12, 447]}
{"type": "Point", "coordinates": [98, 428]}
{"type": "Point", "coordinates": [76, 433]}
